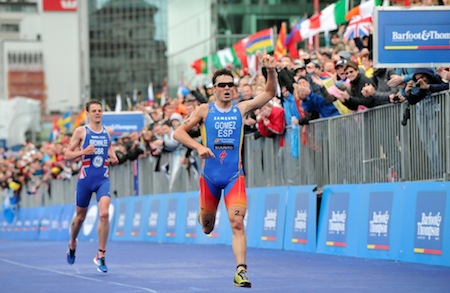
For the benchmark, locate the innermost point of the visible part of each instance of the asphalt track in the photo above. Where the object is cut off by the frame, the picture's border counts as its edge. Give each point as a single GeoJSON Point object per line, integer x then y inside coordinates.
{"type": "Point", "coordinates": [40, 267]}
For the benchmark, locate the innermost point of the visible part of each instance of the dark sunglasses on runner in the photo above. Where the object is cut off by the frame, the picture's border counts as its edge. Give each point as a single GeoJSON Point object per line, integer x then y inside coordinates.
{"type": "Point", "coordinates": [224, 84]}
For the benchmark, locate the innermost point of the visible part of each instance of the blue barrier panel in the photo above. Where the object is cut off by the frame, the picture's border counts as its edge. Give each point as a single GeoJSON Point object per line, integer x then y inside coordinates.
{"type": "Point", "coordinates": [267, 215]}
{"type": "Point", "coordinates": [174, 224]}
{"type": "Point", "coordinates": [134, 223]}
{"type": "Point", "coordinates": [190, 222]}
{"type": "Point", "coordinates": [300, 225]}
{"type": "Point", "coordinates": [334, 234]}
{"type": "Point", "coordinates": [65, 221]}
{"type": "Point", "coordinates": [50, 222]}
{"type": "Point", "coordinates": [121, 207]}
{"type": "Point", "coordinates": [381, 209]}
{"type": "Point", "coordinates": [30, 224]}
{"type": "Point", "coordinates": [152, 219]}
{"type": "Point", "coordinates": [425, 234]}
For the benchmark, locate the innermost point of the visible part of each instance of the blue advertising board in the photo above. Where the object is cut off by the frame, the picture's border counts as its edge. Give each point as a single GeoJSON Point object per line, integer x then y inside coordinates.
{"type": "Point", "coordinates": [411, 36]}
{"type": "Point", "coordinates": [122, 122]}
{"type": "Point", "coordinates": [301, 215]}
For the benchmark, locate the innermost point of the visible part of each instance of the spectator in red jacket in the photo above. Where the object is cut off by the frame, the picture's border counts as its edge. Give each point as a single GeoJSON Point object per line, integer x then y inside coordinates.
{"type": "Point", "coordinates": [271, 120]}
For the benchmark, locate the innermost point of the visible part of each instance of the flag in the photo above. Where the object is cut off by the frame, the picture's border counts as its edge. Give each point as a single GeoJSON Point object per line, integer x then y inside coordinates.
{"type": "Point", "coordinates": [200, 65]}
{"type": "Point", "coordinates": [163, 93]}
{"type": "Point", "coordinates": [357, 27]}
{"type": "Point", "coordinates": [118, 103]}
{"type": "Point", "coordinates": [239, 50]}
{"type": "Point", "coordinates": [327, 19]}
{"type": "Point", "coordinates": [135, 96]}
{"type": "Point", "coordinates": [340, 10]}
{"type": "Point", "coordinates": [323, 21]}
{"type": "Point", "coordinates": [81, 118]}
{"type": "Point", "coordinates": [364, 9]}
{"type": "Point", "coordinates": [129, 105]}
{"type": "Point", "coordinates": [280, 49]}
{"type": "Point", "coordinates": [293, 38]}
{"type": "Point", "coordinates": [65, 122]}
{"type": "Point", "coordinates": [225, 58]}
{"type": "Point", "coordinates": [259, 41]}
{"type": "Point", "coordinates": [105, 106]}
{"type": "Point", "coordinates": [150, 95]}
{"type": "Point", "coordinates": [252, 62]}
{"type": "Point", "coordinates": [54, 134]}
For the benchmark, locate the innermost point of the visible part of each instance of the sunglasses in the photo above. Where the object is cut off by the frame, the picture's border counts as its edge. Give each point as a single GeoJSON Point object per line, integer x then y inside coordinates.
{"type": "Point", "coordinates": [224, 84]}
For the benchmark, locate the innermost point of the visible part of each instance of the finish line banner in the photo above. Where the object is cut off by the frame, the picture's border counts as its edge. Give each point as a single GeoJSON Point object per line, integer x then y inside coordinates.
{"type": "Point", "coordinates": [411, 37]}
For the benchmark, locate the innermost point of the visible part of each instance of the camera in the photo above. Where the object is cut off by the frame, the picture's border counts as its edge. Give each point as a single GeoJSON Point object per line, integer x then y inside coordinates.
{"type": "Point", "coordinates": [416, 84]}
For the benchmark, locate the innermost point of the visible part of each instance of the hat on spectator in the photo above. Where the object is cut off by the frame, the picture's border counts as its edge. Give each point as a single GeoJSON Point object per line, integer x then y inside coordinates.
{"type": "Point", "coordinates": [425, 71]}
{"type": "Point", "coordinates": [125, 135]}
{"type": "Point", "coordinates": [344, 55]}
{"type": "Point", "coordinates": [176, 116]}
{"type": "Point", "coordinates": [328, 54]}
{"type": "Point", "coordinates": [340, 63]}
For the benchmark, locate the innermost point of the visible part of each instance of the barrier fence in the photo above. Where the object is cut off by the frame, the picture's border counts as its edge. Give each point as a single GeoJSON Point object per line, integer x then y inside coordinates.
{"type": "Point", "coordinates": [370, 146]}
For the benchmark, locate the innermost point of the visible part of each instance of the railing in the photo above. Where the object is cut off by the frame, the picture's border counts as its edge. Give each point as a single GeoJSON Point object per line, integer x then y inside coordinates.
{"type": "Point", "coordinates": [365, 147]}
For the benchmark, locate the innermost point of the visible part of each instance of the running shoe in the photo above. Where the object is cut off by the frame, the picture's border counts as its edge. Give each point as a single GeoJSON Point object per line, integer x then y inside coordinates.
{"type": "Point", "coordinates": [100, 262]}
{"type": "Point", "coordinates": [70, 255]}
{"type": "Point", "coordinates": [241, 279]}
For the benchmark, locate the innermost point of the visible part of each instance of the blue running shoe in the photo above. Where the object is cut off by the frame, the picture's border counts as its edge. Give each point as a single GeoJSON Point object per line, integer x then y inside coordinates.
{"type": "Point", "coordinates": [70, 256]}
{"type": "Point", "coordinates": [100, 262]}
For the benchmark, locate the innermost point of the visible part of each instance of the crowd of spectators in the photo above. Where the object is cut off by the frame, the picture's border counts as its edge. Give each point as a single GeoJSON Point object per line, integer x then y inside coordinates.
{"type": "Point", "coordinates": [321, 83]}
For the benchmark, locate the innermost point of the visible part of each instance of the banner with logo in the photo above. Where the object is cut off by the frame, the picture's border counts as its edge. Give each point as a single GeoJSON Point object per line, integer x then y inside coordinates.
{"type": "Point", "coordinates": [411, 36]}
{"type": "Point", "coordinates": [266, 217]}
{"type": "Point", "coordinates": [301, 215]}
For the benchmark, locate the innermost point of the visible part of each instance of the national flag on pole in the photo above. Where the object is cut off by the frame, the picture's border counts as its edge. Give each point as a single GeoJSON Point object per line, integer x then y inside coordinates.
{"type": "Point", "coordinates": [239, 50]}
{"type": "Point", "coordinates": [280, 49]}
{"type": "Point", "coordinates": [358, 27]}
{"type": "Point", "coordinates": [150, 95]}
{"type": "Point", "coordinates": [54, 134]}
{"type": "Point", "coordinates": [118, 107]}
{"type": "Point", "coordinates": [129, 105]}
{"type": "Point", "coordinates": [364, 9]}
{"type": "Point", "coordinates": [65, 122]}
{"type": "Point", "coordinates": [259, 41]}
{"type": "Point", "coordinates": [81, 118]}
{"type": "Point", "coordinates": [293, 38]}
{"type": "Point", "coordinates": [225, 58]}
{"type": "Point", "coordinates": [200, 65]}
{"type": "Point", "coordinates": [163, 93]}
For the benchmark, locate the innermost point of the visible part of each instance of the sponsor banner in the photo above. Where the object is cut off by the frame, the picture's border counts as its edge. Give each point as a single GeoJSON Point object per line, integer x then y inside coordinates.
{"type": "Point", "coordinates": [49, 223]}
{"type": "Point", "coordinates": [405, 37]}
{"type": "Point", "coordinates": [267, 217]}
{"type": "Point", "coordinates": [336, 230]}
{"type": "Point", "coordinates": [153, 219]}
{"type": "Point", "coordinates": [190, 218]}
{"type": "Point", "coordinates": [300, 225]}
{"type": "Point", "coordinates": [121, 219]}
{"type": "Point", "coordinates": [382, 213]}
{"type": "Point", "coordinates": [424, 237]}
{"type": "Point", "coordinates": [379, 220]}
{"type": "Point", "coordinates": [65, 221]}
{"type": "Point", "coordinates": [60, 5]}
{"type": "Point", "coordinates": [122, 122]}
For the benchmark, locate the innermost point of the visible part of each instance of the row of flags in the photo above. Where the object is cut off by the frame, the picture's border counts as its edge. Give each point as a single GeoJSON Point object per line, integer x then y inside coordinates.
{"type": "Point", "coordinates": [65, 124]}
{"type": "Point", "coordinates": [358, 20]}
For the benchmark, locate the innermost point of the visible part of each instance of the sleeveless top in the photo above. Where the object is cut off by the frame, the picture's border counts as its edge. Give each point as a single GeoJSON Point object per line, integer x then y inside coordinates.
{"type": "Point", "coordinates": [223, 134]}
{"type": "Point", "coordinates": [95, 166]}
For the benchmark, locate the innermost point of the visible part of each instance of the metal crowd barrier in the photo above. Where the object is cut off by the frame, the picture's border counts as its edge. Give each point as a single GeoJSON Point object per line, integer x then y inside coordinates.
{"type": "Point", "coordinates": [365, 147]}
